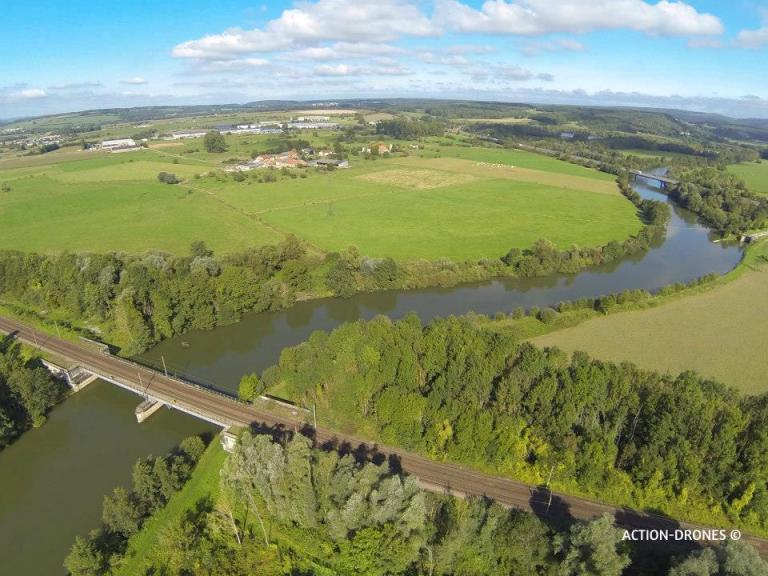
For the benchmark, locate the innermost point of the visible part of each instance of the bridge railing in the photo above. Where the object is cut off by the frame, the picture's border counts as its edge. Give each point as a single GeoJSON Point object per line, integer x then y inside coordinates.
{"type": "Point", "coordinates": [153, 372]}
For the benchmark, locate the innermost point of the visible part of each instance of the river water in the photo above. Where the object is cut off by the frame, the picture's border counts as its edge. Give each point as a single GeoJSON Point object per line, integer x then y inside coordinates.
{"type": "Point", "coordinates": [53, 480]}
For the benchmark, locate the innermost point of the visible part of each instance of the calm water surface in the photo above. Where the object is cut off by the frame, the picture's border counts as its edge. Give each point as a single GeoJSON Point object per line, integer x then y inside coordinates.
{"type": "Point", "coordinates": [53, 480]}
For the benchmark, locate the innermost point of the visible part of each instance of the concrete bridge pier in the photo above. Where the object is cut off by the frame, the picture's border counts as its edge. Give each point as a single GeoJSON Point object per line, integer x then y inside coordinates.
{"type": "Point", "coordinates": [147, 408]}
{"type": "Point", "coordinates": [76, 377]}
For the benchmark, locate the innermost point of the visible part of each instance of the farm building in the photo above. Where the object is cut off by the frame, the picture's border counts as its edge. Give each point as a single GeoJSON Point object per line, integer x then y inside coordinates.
{"type": "Point", "coordinates": [120, 144]}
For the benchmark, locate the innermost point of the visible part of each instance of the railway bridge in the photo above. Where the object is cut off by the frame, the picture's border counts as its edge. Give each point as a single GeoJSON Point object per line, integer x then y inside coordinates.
{"type": "Point", "coordinates": [226, 411]}
{"type": "Point", "coordinates": [662, 180]}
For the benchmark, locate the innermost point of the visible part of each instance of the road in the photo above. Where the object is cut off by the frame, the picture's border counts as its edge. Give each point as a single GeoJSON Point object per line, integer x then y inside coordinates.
{"type": "Point", "coordinates": [433, 475]}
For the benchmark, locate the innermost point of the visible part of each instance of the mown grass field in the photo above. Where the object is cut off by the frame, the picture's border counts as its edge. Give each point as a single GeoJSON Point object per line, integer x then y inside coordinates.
{"type": "Point", "coordinates": [484, 217]}
{"type": "Point", "coordinates": [441, 201]}
{"type": "Point", "coordinates": [114, 202]}
{"type": "Point", "coordinates": [720, 333]}
{"type": "Point", "coordinates": [754, 174]}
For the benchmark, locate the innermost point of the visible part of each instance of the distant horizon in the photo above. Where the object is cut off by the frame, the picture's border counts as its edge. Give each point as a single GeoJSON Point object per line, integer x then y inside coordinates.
{"type": "Point", "coordinates": [669, 107]}
{"type": "Point", "coordinates": [696, 55]}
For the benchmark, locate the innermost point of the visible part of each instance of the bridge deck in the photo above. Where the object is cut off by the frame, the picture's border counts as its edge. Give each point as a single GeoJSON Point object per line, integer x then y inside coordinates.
{"type": "Point", "coordinates": [227, 411]}
{"type": "Point", "coordinates": [656, 177]}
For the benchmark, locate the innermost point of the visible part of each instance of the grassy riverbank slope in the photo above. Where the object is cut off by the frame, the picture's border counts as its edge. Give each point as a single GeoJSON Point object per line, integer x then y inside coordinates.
{"type": "Point", "coordinates": [201, 487]}
{"type": "Point", "coordinates": [720, 333]}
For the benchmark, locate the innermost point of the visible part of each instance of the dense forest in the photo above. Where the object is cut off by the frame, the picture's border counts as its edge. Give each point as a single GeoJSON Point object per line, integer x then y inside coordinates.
{"type": "Point", "coordinates": [284, 507]}
{"type": "Point", "coordinates": [721, 199]}
{"type": "Point", "coordinates": [142, 299]}
{"type": "Point", "coordinates": [411, 129]}
{"type": "Point", "coordinates": [27, 392]}
{"type": "Point", "coordinates": [681, 444]}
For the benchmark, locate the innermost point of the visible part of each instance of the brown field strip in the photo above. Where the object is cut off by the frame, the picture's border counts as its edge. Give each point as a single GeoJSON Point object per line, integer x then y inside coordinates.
{"type": "Point", "coordinates": [417, 179]}
{"type": "Point", "coordinates": [490, 170]}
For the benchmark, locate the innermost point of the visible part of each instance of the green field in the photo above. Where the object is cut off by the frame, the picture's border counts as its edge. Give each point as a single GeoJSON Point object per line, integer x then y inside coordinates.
{"type": "Point", "coordinates": [447, 201]}
{"type": "Point", "coordinates": [114, 202]}
{"type": "Point", "coordinates": [754, 174]}
{"type": "Point", "coordinates": [720, 333]}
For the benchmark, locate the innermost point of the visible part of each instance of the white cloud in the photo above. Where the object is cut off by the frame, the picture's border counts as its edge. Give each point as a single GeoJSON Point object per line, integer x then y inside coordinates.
{"type": "Point", "coordinates": [338, 70]}
{"type": "Point", "coordinates": [75, 86]}
{"type": "Point", "coordinates": [537, 17]}
{"type": "Point", "coordinates": [753, 38]}
{"type": "Point", "coordinates": [384, 69]}
{"type": "Point", "coordinates": [136, 81]}
{"type": "Point", "coordinates": [517, 73]}
{"type": "Point", "coordinates": [371, 21]}
{"type": "Point", "coordinates": [342, 50]}
{"type": "Point", "coordinates": [560, 45]}
{"type": "Point", "coordinates": [237, 65]}
{"type": "Point", "coordinates": [30, 94]}
{"type": "Point", "coordinates": [470, 49]}
{"type": "Point", "coordinates": [505, 73]}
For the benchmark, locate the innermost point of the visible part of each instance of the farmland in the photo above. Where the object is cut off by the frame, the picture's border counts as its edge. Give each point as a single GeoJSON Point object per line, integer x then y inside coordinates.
{"type": "Point", "coordinates": [720, 333]}
{"type": "Point", "coordinates": [115, 203]}
{"type": "Point", "coordinates": [439, 200]}
{"type": "Point", "coordinates": [754, 174]}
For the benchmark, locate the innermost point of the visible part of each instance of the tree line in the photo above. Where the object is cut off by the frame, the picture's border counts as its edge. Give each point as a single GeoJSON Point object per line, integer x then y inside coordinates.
{"type": "Point", "coordinates": [27, 392]}
{"type": "Point", "coordinates": [452, 391]}
{"type": "Point", "coordinates": [154, 481]}
{"type": "Point", "coordinates": [411, 129]}
{"type": "Point", "coordinates": [142, 299]}
{"type": "Point", "coordinates": [285, 507]}
{"type": "Point", "coordinates": [721, 199]}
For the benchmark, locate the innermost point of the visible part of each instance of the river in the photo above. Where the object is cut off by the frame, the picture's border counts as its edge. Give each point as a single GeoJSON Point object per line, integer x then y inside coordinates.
{"type": "Point", "coordinates": [53, 480]}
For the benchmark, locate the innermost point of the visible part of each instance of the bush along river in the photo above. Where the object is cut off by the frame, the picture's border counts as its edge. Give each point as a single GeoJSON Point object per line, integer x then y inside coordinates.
{"type": "Point", "coordinates": [53, 479]}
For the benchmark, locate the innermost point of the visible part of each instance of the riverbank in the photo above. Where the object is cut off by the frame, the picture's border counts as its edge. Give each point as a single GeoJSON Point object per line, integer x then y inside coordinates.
{"type": "Point", "coordinates": [54, 478]}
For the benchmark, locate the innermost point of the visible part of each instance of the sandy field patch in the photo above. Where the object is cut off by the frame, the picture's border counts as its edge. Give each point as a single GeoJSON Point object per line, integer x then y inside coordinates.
{"type": "Point", "coordinates": [417, 179]}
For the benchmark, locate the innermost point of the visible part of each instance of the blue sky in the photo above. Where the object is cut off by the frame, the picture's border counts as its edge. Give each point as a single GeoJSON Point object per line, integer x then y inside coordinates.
{"type": "Point", "coordinates": [73, 55]}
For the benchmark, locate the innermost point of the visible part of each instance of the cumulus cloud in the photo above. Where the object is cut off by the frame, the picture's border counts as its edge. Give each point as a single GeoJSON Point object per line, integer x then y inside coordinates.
{"type": "Point", "coordinates": [560, 45]}
{"type": "Point", "coordinates": [538, 17]}
{"type": "Point", "coordinates": [29, 94]}
{"type": "Point", "coordinates": [517, 73]}
{"type": "Point", "coordinates": [136, 81]}
{"type": "Point", "coordinates": [342, 50]}
{"type": "Point", "coordinates": [505, 73]}
{"type": "Point", "coordinates": [383, 69]}
{"type": "Point", "coordinates": [236, 65]}
{"type": "Point", "coordinates": [753, 38]}
{"type": "Point", "coordinates": [338, 70]}
{"type": "Point", "coordinates": [373, 21]}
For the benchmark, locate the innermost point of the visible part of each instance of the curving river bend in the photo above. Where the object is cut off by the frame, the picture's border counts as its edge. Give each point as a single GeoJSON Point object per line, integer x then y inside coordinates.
{"type": "Point", "coordinates": [52, 480]}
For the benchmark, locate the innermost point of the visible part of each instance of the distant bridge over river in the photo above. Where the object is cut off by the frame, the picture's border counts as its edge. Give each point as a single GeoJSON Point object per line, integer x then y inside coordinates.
{"type": "Point", "coordinates": [662, 180]}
